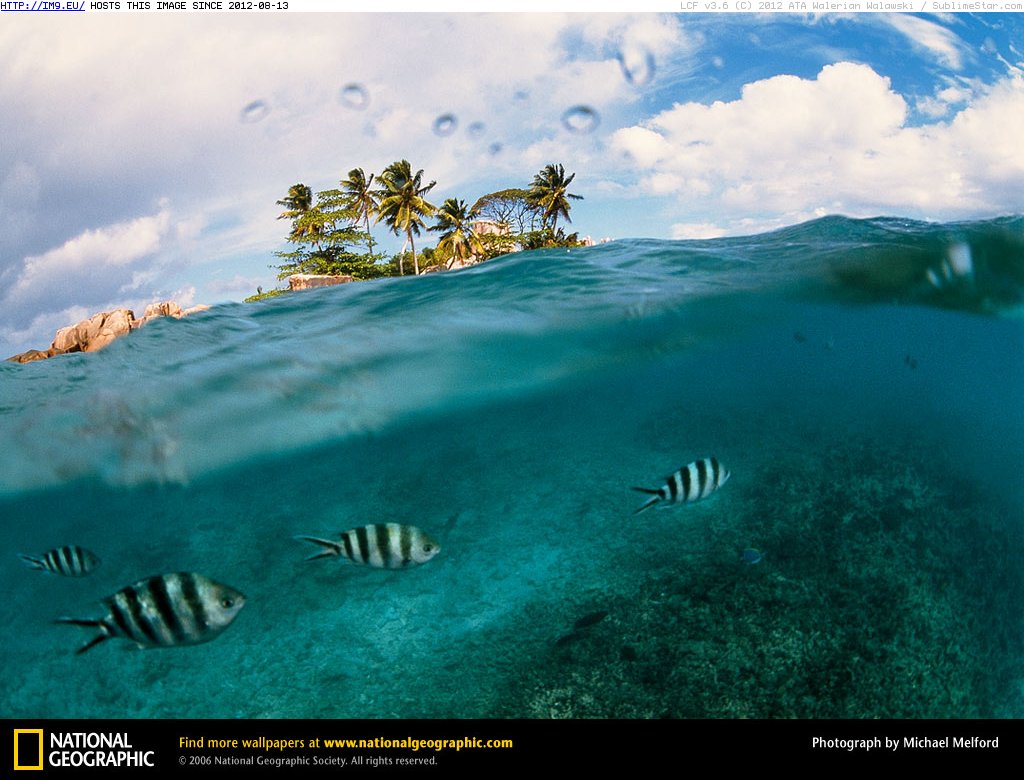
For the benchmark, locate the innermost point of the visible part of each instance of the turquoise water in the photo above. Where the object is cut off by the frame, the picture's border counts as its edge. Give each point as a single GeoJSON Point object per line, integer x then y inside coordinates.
{"type": "Point", "coordinates": [861, 380]}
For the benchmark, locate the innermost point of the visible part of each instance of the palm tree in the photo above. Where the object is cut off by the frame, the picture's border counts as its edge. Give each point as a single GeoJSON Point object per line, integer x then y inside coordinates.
{"type": "Point", "coordinates": [460, 242]}
{"type": "Point", "coordinates": [298, 205]}
{"type": "Point", "coordinates": [298, 201]}
{"type": "Point", "coordinates": [548, 193]}
{"type": "Point", "coordinates": [402, 204]}
{"type": "Point", "coordinates": [361, 199]}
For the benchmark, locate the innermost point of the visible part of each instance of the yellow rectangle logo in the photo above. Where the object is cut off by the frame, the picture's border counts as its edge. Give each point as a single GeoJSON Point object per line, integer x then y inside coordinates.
{"type": "Point", "coordinates": [17, 744]}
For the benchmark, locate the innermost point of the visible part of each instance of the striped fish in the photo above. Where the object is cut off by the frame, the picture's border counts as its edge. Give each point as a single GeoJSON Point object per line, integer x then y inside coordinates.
{"type": "Point", "coordinates": [383, 545]}
{"type": "Point", "coordinates": [69, 561]}
{"type": "Point", "coordinates": [692, 482]}
{"type": "Point", "coordinates": [166, 611]}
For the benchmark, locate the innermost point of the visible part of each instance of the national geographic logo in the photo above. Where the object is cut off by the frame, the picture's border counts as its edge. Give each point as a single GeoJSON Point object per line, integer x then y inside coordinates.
{"type": "Point", "coordinates": [76, 749]}
{"type": "Point", "coordinates": [28, 749]}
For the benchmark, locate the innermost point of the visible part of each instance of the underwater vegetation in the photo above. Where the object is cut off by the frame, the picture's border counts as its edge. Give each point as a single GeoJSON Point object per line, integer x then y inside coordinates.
{"type": "Point", "coordinates": [891, 591]}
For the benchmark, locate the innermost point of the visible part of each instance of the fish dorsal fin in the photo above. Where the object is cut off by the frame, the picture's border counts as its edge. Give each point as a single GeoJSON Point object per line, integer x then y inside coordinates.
{"type": "Point", "coordinates": [651, 491]}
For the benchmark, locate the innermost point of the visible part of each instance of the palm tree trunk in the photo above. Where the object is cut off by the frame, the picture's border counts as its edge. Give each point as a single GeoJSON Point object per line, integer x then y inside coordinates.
{"type": "Point", "coordinates": [401, 259]}
{"type": "Point", "coordinates": [369, 234]}
{"type": "Point", "coordinates": [415, 264]}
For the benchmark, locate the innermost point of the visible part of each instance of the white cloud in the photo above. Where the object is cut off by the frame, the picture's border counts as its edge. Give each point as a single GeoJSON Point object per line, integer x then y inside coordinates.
{"type": "Point", "coordinates": [664, 183]}
{"type": "Point", "coordinates": [112, 118]}
{"type": "Point", "coordinates": [644, 146]}
{"type": "Point", "coordinates": [837, 143]}
{"type": "Point", "coordinates": [987, 135]}
{"type": "Point", "coordinates": [691, 230]}
{"type": "Point", "coordinates": [115, 266]}
{"type": "Point", "coordinates": [943, 101]}
{"type": "Point", "coordinates": [38, 333]}
{"type": "Point", "coordinates": [237, 284]}
{"type": "Point", "coordinates": [935, 39]}
{"type": "Point", "coordinates": [117, 245]}
{"type": "Point", "coordinates": [183, 296]}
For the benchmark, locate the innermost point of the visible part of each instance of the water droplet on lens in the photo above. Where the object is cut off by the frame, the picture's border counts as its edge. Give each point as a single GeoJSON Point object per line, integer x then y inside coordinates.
{"type": "Point", "coordinates": [354, 96]}
{"type": "Point", "coordinates": [637, 66]}
{"type": "Point", "coordinates": [445, 124]}
{"type": "Point", "coordinates": [520, 97]}
{"type": "Point", "coordinates": [476, 129]}
{"type": "Point", "coordinates": [254, 112]}
{"type": "Point", "coordinates": [494, 148]}
{"type": "Point", "coordinates": [580, 120]}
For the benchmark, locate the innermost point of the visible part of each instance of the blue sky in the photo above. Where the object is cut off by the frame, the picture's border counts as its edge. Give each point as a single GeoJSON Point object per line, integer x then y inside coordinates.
{"type": "Point", "coordinates": [130, 171]}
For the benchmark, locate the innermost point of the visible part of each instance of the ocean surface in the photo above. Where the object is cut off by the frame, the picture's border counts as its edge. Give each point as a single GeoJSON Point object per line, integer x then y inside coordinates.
{"type": "Point", "coordinates": [862, 381]}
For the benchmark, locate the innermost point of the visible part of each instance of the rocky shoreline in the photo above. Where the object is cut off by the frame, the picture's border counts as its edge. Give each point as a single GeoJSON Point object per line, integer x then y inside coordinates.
{"type": "Point", "coordinates": [101, 329]}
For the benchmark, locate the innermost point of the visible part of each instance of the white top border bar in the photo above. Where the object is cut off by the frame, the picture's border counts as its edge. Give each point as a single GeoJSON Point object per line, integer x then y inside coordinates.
{"type": "Point", "coordinates": [505, 6]}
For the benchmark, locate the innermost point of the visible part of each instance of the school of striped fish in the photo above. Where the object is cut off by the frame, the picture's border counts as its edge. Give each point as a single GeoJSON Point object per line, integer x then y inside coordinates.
{"type": "Point", "coordinates": [187, 608]}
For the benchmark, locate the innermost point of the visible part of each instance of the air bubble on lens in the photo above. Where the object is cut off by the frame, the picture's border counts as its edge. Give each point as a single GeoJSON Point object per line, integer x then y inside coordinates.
{"type": "Point", "coordinates": [254, 112]}
{"type": "Point", "coordinates": [580, 120]}
{"type": "Point", "coordinates": [354, 96]}
{"type": "Point", "coordinates": [476, 129]}
{"type": "Point", "coordinates": [445, 124]}
{"type": "Point", "coordinates": [637, 65]}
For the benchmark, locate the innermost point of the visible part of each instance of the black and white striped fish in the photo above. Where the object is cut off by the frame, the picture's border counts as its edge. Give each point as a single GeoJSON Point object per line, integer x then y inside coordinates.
{"type": "Point", "coordinates": [692, 482]}
{"type": "Point", "coordinates": [166, 611]}
{"type": "Point", "coordinates": [68, 561]}
{"type": "Point", "coordinates": [383, 545]}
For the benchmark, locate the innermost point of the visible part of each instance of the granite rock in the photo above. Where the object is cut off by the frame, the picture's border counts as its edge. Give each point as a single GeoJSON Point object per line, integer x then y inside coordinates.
{"type": "Point", "coordinates": [311, 281]}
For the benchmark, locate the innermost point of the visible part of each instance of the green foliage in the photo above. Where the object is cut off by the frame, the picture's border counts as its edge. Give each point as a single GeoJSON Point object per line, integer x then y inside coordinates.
{"type": "Point", "coordinates": [547, 238]}
{"type": "Point", "coordinates": [328, 262]}
{"type": "Point", "coordinates": [395, 264]}
{"type": "Point", "coordinates": [549, 193]}
{"type": "Point", "coordinates": [326, 238]}
{"type": "Point", "coordinates": [511, 208]}
{"type": "Point", "coordinates": [401, 203]}
{"type": "Point", "coordinates": [497, 245]}
{"type": "Point", "coordinates": [458, 242]}
{"type": "Point", "coordinates": [262, 296]}
{"type": "Point", "coordinates": [361, 199]}
{"type": "Point", "coordinates": [323, 233]}
{"type": "Point", "coordinates": [297, 202]}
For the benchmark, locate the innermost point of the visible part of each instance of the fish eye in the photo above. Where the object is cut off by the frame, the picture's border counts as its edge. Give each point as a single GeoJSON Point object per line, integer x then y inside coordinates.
{"type": "Point", "coordinates": [428, 548]}
{"type": "Point", "coordinates": [227, 602]}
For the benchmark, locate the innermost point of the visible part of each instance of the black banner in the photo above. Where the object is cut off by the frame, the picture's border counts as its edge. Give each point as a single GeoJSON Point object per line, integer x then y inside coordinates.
{"type": "Point", "coordinates": [299, 748]}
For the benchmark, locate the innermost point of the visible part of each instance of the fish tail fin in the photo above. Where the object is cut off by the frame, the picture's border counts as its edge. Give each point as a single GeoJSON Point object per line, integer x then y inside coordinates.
{"type": "Point", "coordinates": [92, 643]}
{"type": "Point", "coordinates": [332, 548]}
{"type": "Point", "coordinates": [103, 636]}
{"type": "Point", "coordinates": [655, 498]}
{"type": "Point", "coordinates": [32, 561]}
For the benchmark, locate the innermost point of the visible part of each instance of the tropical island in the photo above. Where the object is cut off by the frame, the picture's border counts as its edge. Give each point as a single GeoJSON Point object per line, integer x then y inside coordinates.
{"type": "Point", "coordinates": [332, 233]}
